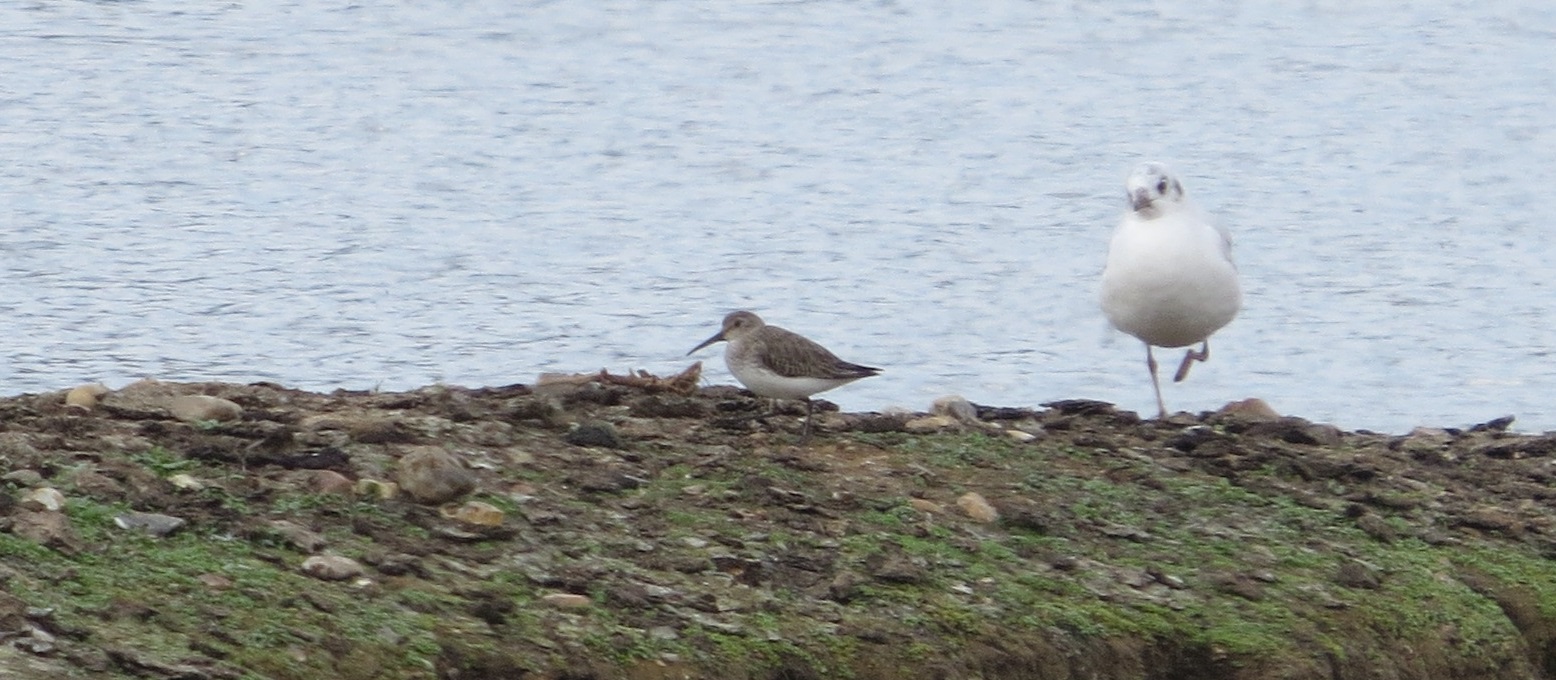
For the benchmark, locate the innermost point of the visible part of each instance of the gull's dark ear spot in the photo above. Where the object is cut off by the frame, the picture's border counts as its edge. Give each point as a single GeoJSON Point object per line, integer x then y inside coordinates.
{"type": "Point", "coordinates": [1177, 189]}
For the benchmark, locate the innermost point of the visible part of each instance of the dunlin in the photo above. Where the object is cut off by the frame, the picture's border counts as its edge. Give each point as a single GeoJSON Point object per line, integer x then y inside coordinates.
{"type": "Point", "coordinates": [1169, 280]}
{"type": "Point", "coordinates": [780, 364]}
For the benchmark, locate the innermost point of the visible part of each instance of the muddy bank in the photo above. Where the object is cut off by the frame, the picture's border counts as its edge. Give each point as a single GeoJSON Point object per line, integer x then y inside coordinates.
{"type": "Point", "coordinates": [625, 529]}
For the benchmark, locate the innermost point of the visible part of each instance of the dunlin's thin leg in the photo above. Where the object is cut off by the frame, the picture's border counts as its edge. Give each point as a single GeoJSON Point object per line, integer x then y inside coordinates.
{"type": "Point", "coordinates": [809, 407]}
{"type": "Point", "coordinates": [1203, 354]}
{"type": "Point", "coordinates": [1150, 362]}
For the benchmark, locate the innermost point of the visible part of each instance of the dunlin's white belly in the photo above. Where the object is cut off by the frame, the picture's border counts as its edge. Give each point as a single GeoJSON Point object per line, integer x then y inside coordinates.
{"type": "Point", "coordinates": [768, 384]}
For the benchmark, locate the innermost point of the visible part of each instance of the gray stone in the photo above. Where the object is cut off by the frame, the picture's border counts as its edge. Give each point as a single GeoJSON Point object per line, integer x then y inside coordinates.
{"type": "Point", "coordinates": [332, 567]}
{"type": "Point", "coordinates": [23, 477]}
{"type": "Point", "coordinates": [956, 407]}
{"type": "Point", "coordinates": [149, 522]}
{"type": "Point", "coordinates": [1354, 574]}
{"type": "Point", "coordinates": [43, 498]}
{"type": "Point", "coordinates": [595, 433]}
{"type": "Point", "coordinates": [46, 527]}
{"type": "Point", "coordinates": [299, 537]}
{"type": "Point", "coordinates": [433, 476]}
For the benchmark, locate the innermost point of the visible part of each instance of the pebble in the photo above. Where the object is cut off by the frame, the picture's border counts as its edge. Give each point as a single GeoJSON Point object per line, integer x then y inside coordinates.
{"type": "Point", "coordinates": [379, 430]}
{"type": "Point", "coordinates": [43, 498]}
{"type": "Point", "coordinates": [331, 482]}
{"type": "Point", "coordinates": [332, 567]}
{"type": "Point", "coordinates": [1354, 574]}
{"type": "Point", "coordinates": [16, 446]}
{"type": "Point", "coordinates": [377, 488]}
{"type": "Point", "coordinates": [565, 600]}
{"type": "Point", "coordinates": [1321, 434]}
{"type": "Point", "coordinates": [955, 406]}
{"type": "Point", "coordinates": [48, 528]}
{"type": "Point", "coordinates": [152, 523]}
{"type": "Point", "coordinates": [95, 484]}
{"type": "Point", "coordinates": [596, 433]}
{"type": "Point", "coordinates": [34, 645]}
{"type": "Point", "coordinates": [476, 512]}
{"type": "Point", "coordinates": [1021, 436]}
{"type": "Point", "coordinates": [433, 476]}
{"type": "Point", "coordinates": [85, 397]}
{"type": "Point", "coordinates": [298, 536]}
{"type": "Point", "coordinates": [1251, 409]}
{"type": "Point", "coordinates": [23, 477]}
{"type": "Point", "coordinates": [186, 482]}
{"type": "Point", "coordinates": [977, 507]}
{"type": "Point", "coordinates": [194, 408]}
{"type": "Point", "coordinates": [1424, 440]}
{"type": "Point", "coordinates": [214, 581]}
{"type": "Point", "coordinates": [1239, 585]}
{"type": "Point", "coordinates": [1492, 519]}
{"type": "Point", "coordinates": [929, 424]}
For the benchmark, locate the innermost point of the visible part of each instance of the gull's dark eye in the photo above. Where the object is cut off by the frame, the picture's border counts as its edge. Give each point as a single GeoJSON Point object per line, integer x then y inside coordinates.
{"type": "Point", "coordinates": [1161, 186]}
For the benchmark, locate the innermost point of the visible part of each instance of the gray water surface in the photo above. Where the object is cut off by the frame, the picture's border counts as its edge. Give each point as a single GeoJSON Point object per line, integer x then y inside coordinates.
{"type": "Point", "coordinates": [394, 194]}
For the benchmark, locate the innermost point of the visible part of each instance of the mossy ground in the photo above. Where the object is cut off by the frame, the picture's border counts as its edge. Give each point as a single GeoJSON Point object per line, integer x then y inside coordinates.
{"type": "Point", "coordinates": [1186, 549]}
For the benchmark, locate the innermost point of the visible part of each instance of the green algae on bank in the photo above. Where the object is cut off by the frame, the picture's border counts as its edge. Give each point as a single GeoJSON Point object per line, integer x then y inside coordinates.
{"type": "Point", "coordinates": [1195, 548]}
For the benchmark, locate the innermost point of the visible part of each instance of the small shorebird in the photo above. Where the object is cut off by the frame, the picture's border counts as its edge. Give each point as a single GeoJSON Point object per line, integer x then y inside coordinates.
{"type": "Point", "coordinates": [780, 364]}
{"type": "Point", "coordinates": [1169, 280]}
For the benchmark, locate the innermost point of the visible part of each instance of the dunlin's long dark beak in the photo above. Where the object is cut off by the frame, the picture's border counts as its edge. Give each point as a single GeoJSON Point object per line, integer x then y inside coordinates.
{"type": "Point", "coordinates": [716, 337]}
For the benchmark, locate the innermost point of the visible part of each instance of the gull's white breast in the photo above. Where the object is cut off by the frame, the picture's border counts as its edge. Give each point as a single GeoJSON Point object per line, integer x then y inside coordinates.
{"type": "Point", "coordinates": [1170, 281]}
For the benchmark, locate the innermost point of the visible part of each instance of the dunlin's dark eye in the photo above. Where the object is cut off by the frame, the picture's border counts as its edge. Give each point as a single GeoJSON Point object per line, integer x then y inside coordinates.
{"type": "Point", "coordinates": [1161, 186]}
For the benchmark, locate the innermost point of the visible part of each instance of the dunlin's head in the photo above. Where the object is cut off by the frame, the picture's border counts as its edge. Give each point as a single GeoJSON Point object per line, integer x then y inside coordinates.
{"type": "Point", "coordinates": [1152, 188]}
{"type": "Point", "coordinates": [736, 326]}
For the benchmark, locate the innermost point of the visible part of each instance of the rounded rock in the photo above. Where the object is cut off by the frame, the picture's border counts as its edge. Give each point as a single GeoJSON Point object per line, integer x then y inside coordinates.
{"type": "Point", "coordinates": [1020, 436]}
{"type": "Point", "coordinates": [565, 600]}
{"type": "Point", "coordinates": [598, 433]}
{"type": "Point", "coordinates": [152, 523]}
{"type": "Point", "coordinates": [45, 499]}
{"type": "Point", "coordinates": [929, 424]}
{"type": "Point", "coordinates": [332, 567]}
{"type": "Point", "coordinates": [186, 482]}
{"type": "Point", "coordinates": [193, 408]}
{"type": "Point", "coordinates": [23, 477]}
{"type": "Point", "coordinates": [372, 487]}
{"type": "Point", "coordinates": [955, 406]}
{"type": "Point", "coordinates": [975, 506]}
{"type": "Point", "coordinates": [477, 513]}
{"type": "Point", "coordinates": [434, 476]}
{"type": "Point", "coordinates": [85, 397]}
{"type": "Point", "coordinates": [1252, 408]}
{"type": "Point", "coordinates": [331, 482]}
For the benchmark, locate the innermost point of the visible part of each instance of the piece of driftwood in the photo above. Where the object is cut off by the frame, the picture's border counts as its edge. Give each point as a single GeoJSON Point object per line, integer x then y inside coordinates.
{"type": "Point", "coordinates": [684, 382]}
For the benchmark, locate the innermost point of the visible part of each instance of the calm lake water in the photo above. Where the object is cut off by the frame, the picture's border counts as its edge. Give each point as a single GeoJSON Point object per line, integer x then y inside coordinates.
{"type": "Point", "coordinates": [394, 194]}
